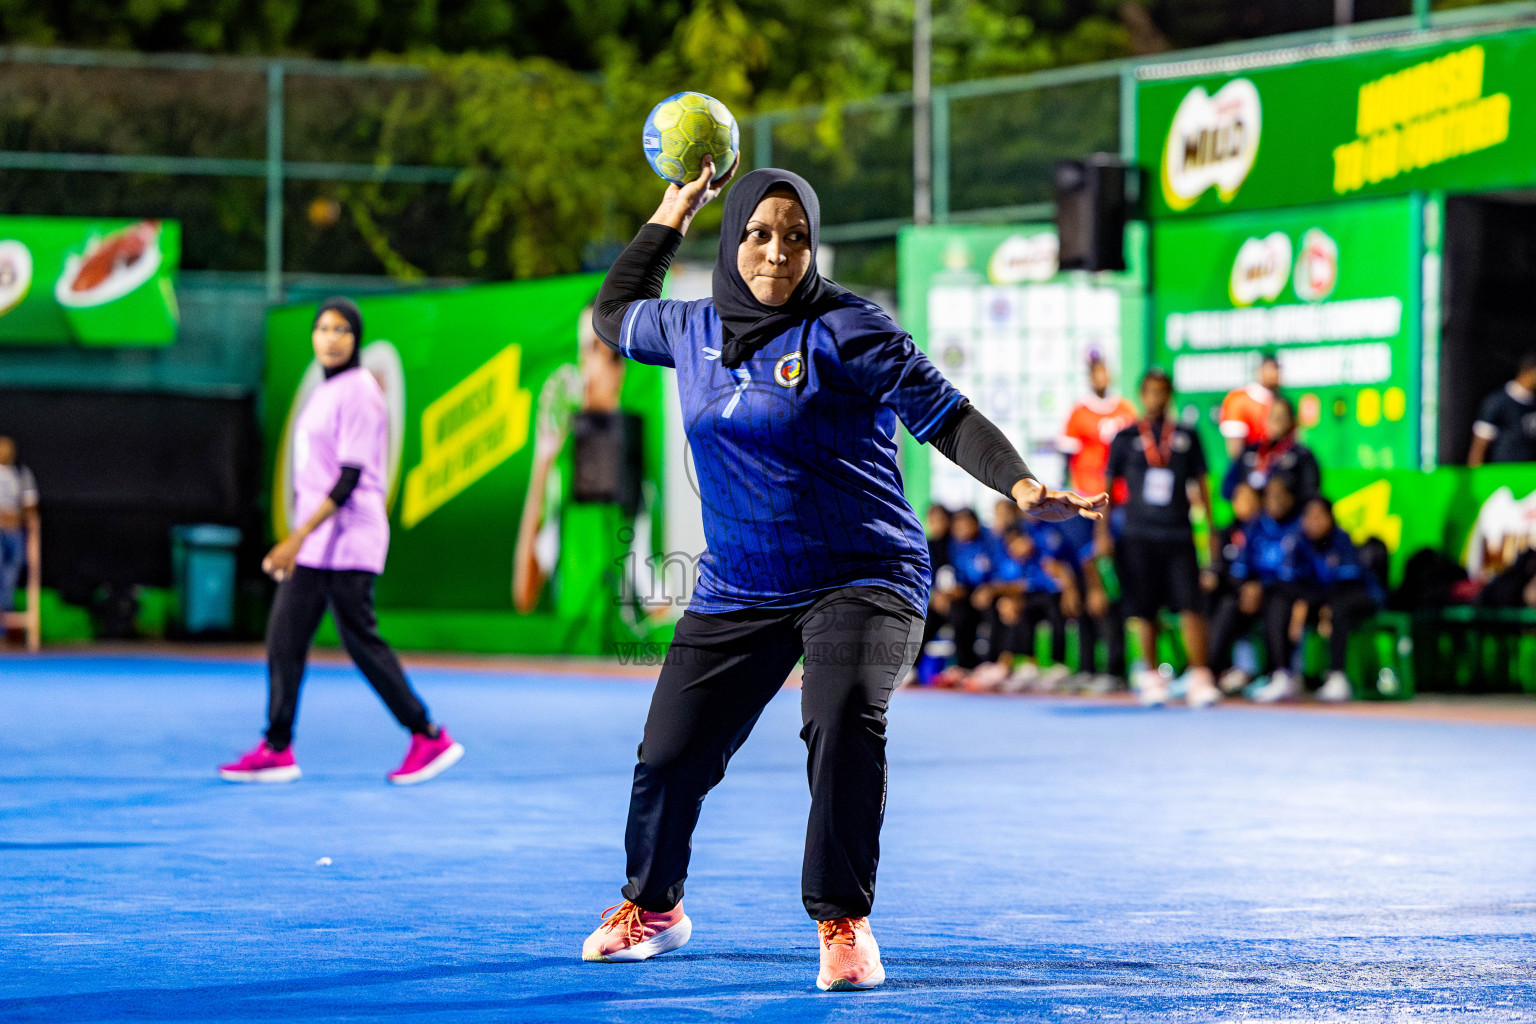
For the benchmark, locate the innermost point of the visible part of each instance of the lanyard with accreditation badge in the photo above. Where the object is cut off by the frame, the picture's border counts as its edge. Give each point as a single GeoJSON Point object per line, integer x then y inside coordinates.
{"type": "Point", "coordinates": [1157, 487]}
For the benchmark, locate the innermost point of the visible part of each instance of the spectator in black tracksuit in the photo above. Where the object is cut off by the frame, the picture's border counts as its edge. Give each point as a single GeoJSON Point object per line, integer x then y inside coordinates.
{"type": "Point", "coordinates": [1334, 591]}
{"type": "Point", "coordinates": [1280, 452]}
{"type": "Point", "coordinates": [1221, 589]}
{"type": "Point", "coordinates": [1261, 594]}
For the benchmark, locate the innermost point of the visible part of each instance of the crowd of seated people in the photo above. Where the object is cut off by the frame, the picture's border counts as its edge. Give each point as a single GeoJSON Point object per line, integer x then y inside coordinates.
{"type": "Point", "coordinates": [995, 587]}
{"type": "Point", "coordinates": [1279, 566]}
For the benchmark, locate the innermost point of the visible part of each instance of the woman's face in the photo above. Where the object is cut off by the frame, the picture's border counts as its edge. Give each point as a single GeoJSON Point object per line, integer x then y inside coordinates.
{"type": "Point", "coordinates": [776, 251]}
{"type": "Point", "coordinates": [333, 339]}
{"type": "Point", "coordinates": [1246, 503]}
{"type": "Point", "coordinates": [1279, 502]}
{"type": "Point", "coordinates": [1281, 422]}
{"type": "Point", "coordinates": [1317, 522]}
{"type": "Point", "coordinates": [938, 521]}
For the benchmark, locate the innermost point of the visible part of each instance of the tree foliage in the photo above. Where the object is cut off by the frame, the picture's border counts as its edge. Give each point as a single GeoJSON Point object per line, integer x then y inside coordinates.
{"type": "Point", "coordinates": [542, 101]}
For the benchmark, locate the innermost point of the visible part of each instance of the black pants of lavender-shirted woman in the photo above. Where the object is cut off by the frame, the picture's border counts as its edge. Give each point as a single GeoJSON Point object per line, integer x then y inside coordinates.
{"type": "Point", "coordinates": [296, 613]}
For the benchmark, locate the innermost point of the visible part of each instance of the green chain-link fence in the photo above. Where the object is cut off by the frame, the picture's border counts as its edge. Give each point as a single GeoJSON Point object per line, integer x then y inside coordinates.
{"type": "Point", "coordinates": [264, 161]}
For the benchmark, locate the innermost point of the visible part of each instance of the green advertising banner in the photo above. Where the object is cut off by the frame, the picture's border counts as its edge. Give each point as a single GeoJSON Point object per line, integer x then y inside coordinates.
{"type": "Point", "coordinates": [96, 282]}
{"type": "Point", "coordinates": [1484, 518]}
{"type": "Point", "coordinates": [992, 308]}
{"type": "Point", "coordinates": [487, 549]}
{"type": "Point", "coordinates": [1332, 290]}
{"type": "Point", "coordinates": [1458, 116]}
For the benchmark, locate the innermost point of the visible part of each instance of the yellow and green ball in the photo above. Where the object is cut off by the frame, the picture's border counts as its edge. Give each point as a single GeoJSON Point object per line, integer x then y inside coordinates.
{"type": "Point", "coordinates": [682, 128]}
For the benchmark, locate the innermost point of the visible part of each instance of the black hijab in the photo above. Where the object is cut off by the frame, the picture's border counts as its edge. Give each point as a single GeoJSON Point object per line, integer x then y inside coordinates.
{"type": "Point", "coordinates": [748, 325]}
{"type": "Point", "coordinates": [354, 318]}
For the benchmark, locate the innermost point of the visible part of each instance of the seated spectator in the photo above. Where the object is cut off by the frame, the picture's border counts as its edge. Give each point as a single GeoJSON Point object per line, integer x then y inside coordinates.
{"type": "Point", "coordinates": [938, 523]}
{"type": "Point", "coordinates": [1515, 587]}
{"type": "Point", "coordinates": [1071, 544]}
{"type": "Point", "coordinates": [1005, 519]}
{"type": "Point", "coordinates": [938, 519]}
{"type": "Point", "coordinates": [1024, 590]}
{"type": "Point", "coordinates": [1256, 573]}
{"type": "Point", "coordinates": [971, 559]}
{"type": "Point", "coordinates": [18, 517]}
{"type": "Point", "coordinates": [1280, 452]}
{"type": "Point", "coordinates": [1333, 591]}
{"type": "Point", "coordinates": [1216, 579]}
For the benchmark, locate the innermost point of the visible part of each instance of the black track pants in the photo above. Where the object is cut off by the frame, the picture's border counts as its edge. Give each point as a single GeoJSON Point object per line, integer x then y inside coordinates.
{"type": "Point", "coordinates": [719, 674]}
{"type": "Point", "coordinates": [296, 613]}
{"type": "Point", "coordinates": [1230, 624]}
{"type": "Point", "coordinates": [1352, 606]}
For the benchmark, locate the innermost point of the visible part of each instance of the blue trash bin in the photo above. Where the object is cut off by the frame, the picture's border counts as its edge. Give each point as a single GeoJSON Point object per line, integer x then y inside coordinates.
{"type": "Point", "coordinates": [203, 562]}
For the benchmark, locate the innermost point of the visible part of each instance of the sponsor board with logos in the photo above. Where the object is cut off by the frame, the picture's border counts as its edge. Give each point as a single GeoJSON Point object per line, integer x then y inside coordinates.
{"type": "Point", "coordinates": [89, 281]}
{"type": "Point", "coordinates": [991, 307]}
{"type": "Point", "coordinates": [1453, 115]}
{"type": "Point", "coordinates": [1484, 518]}
{"type": "Point", "coordinates": [1328, 289]}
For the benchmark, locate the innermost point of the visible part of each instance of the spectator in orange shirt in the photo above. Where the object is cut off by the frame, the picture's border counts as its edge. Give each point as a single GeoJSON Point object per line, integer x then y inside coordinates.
{"type": "Point", "coordinates": [1093, 423]}
{"type": "Point", "coordinates": [1245, 410]}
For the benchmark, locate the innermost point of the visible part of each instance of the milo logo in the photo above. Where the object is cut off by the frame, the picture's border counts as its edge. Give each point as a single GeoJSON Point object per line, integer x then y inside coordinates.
{"type": "Point", "coordinates": [1261, 270]}
{"type": "Point", "coordinates": [1023, 258]}
{"type": "Point", "coordinates": [1211, 143]}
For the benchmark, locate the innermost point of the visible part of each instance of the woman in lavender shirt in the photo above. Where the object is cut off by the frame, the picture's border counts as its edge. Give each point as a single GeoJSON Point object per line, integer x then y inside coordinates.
{"type": "Point", "coordinates": [340, 451]}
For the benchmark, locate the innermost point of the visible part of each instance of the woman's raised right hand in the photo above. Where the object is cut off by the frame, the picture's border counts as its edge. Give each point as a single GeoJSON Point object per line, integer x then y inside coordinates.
{"type": "Point", "coordinates": [681, 202]}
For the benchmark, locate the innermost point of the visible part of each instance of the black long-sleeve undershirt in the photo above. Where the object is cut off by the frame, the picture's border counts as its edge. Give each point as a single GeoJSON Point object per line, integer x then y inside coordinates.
{"type": "Point", "coordinates": [976, 445]}
{"type": "Point", "coordinates": [345, 483]}
{"type": "Point", "coordinates": [967, 438]}
{"type": "Point", "coordinates": [637, 274]}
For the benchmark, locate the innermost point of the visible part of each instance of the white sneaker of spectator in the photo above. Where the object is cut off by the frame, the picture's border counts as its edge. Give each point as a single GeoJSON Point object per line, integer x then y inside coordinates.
{"type": "Point", "coordinates": [989, 677]}
{"type": "Point", "coordinates": [1051, 679]}
{"type": "Point", "coordinates": [1022, 679]}
{"type": "Point", "coordinates": [1336, 689]}
{"type": "Point", "coordinates": [1151, 688]}
{"type": "Point", "coordinates": [1282, 686]}
{"type": "Point", "coordinates": [1200, 688]}
{"type": "Point", "coordinates": [1233, 680]}
{"type": "Point", "coordinates": [1104, 684]}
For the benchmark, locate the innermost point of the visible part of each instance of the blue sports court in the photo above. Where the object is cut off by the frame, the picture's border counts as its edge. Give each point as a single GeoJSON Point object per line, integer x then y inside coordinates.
{"type": "Point", "coordinates": [1044, 859]}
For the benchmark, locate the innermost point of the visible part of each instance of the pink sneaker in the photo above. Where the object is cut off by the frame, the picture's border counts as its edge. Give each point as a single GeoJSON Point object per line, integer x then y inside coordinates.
{"type": "Point", "coordinates": [634, 934]}
{"type": "Point", "coordinates": [850, 957]}
{"type": "Point", "coordinates": [427, 758]}
{"type": "Point", "coordinates": [262, 764]}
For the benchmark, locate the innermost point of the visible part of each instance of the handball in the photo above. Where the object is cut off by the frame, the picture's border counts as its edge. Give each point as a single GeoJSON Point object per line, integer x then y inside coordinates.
{"type": "Point", "coordinates": [682, 128]}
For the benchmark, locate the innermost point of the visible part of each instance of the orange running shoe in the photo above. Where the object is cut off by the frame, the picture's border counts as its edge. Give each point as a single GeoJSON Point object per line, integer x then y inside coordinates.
{"type": "Point", "coordinates": [850, 956]}
{"type": "Point", "coordinates": [634, 934]}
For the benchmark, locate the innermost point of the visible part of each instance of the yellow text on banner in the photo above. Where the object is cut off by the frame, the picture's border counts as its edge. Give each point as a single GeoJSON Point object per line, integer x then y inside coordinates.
{"type": "Point", "coordinates": [469, 431]}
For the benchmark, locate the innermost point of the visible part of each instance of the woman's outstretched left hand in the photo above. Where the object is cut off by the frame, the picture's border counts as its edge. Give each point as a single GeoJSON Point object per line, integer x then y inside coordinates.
{"type": "Point", "coordinates": [1035, 499]}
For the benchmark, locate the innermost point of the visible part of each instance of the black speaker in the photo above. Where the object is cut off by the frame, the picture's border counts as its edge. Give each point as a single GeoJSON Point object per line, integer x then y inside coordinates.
{"type": "Point", "coordinates": [1090, 212]}
{"type": "Point", "coordinates": [609, 459]}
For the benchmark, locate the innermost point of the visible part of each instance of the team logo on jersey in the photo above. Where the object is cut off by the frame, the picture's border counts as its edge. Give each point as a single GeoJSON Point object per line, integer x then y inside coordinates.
{"type": "Point", "coordinates": [788, 370]}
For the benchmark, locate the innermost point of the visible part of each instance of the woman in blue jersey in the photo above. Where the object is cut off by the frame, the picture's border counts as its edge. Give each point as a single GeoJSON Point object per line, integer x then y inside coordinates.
{"type": "Point", "coordinates": [791, 389]}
